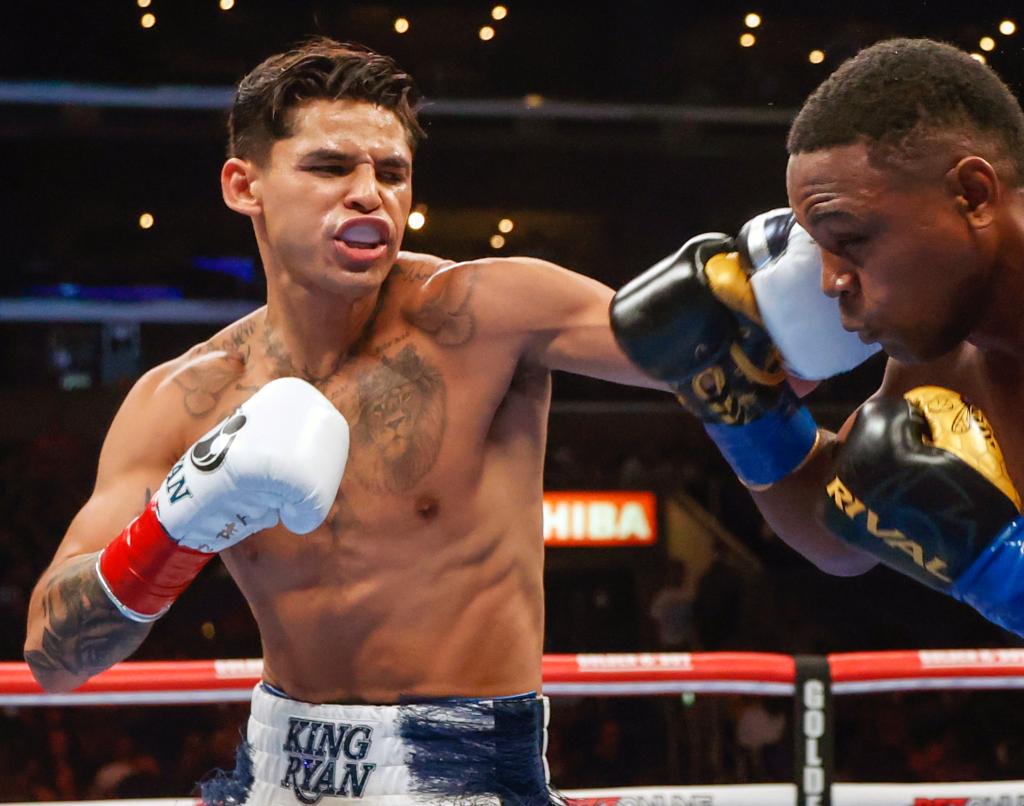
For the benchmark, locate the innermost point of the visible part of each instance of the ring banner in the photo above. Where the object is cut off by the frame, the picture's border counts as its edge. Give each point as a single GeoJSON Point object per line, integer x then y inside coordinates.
{"type": "Point", "coordinates": [813, 732]}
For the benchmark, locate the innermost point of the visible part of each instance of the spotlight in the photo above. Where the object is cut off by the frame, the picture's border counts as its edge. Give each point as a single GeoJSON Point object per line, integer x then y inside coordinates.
{"type": "Point", "coordinates": [486, 33]}
{"type": "Point", "coordinates": [752, 20]}
{"type": "Point", "coordinates": [497, 241]}
{"type": "Point", "coordinates": [146, 220]}
{"type": "Point", "coordinates": [148, 20]}
{"type": "Point", "coordinates": [499, 13]}
{"type": "Point", "coordinates": [416, 220]}
{"type": "Point", "coordinates": [1007, 27]}
{"type": "Point", "coordinates": [816, 56]}
{"type": "Point", "coordinates": [747, 40]}
{"type": "Point", "coordinates": [401, 25]}
{"type": "Point", "coordinates": [506, 225]}
{"type": "Point", "coordinates": [987, 43]}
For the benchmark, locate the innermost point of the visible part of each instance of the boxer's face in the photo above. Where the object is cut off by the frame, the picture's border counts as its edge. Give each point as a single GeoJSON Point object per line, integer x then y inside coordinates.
{"type": "Point", "coordinates": [335, 196]}
{"type": "Point", "coordinates": [896, 250]}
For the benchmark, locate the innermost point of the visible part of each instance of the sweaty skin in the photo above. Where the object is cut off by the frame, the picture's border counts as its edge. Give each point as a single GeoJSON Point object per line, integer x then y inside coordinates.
{"type": "Point", "coordinates": [426, 579]}
{"type": "Point", "coordinates": [928, 260]}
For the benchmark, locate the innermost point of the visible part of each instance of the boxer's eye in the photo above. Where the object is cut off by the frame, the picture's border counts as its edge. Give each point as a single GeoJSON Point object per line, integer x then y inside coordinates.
{"type": "Point", "coordinates": [333, 170]}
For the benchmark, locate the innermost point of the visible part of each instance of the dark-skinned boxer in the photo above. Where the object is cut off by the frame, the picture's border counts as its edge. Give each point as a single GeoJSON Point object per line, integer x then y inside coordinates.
{"type": "Point", "coordinates": [907, 169]}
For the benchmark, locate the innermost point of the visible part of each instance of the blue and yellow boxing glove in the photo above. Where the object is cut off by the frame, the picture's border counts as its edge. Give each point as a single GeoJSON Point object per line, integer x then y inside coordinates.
{"type": "Point", "coordinates": [921, 484]}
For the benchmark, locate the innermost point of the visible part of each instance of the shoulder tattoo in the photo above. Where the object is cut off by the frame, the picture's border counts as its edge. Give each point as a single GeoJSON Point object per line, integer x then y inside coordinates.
{"type": "Point", "coordinates": [446, 315]}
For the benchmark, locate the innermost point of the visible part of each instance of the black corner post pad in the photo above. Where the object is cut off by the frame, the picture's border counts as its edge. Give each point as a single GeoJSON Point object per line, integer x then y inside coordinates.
{"type": "Point", "coordinates": [813, 731]}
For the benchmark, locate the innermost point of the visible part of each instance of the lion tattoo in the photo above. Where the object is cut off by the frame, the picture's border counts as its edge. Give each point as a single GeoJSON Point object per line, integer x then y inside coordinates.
{"type": "Point", "coordinates": [400, 423]}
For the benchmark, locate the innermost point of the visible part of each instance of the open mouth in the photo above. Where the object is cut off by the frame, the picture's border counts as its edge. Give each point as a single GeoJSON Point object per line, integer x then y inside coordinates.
{"type": "Point", "coordinates": [362, 240]}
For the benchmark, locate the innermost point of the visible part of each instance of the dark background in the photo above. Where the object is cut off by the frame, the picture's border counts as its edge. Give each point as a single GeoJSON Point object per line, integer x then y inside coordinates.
{"type": "Point", "coordinates": [653, 124]}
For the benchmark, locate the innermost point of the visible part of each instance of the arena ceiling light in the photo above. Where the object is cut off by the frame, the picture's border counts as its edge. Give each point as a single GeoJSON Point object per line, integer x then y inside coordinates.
{"type": "Point", "coordinates": [417, 219]}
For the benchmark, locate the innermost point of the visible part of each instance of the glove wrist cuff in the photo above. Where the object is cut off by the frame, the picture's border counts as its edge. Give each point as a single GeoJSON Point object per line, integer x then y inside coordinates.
{"type": "Point", "coordinates": [768, 449]}
{"type": "Point", "coordinates": [993, 584]}
{"type": "Point", "coordinates": [143, 570]}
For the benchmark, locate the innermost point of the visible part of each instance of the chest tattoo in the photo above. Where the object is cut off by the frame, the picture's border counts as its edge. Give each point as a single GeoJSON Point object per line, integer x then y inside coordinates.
{"type": "Point", "coordinates": [399, 422]}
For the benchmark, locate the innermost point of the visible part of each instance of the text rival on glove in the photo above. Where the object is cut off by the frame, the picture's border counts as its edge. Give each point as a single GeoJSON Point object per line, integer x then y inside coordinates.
{"type": "Point", "coordinates": [851, 506]}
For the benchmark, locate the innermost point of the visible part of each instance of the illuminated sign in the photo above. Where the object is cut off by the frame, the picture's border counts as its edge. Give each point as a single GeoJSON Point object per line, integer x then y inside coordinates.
{"type": "Point", "coordinates": [600, 519]}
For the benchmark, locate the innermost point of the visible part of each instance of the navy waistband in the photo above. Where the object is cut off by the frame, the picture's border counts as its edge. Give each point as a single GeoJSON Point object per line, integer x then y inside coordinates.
{"type": "Point", "coordinates": [528, 695]}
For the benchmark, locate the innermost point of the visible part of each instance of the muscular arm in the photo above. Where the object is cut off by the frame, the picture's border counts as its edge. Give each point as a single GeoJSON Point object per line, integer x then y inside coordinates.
{"type": "Point", "coordinates": [74, 631]}
{"type": "Point", "coordinates": [559, 317]}
{"type": "Point", "coordinates": [790, 507]}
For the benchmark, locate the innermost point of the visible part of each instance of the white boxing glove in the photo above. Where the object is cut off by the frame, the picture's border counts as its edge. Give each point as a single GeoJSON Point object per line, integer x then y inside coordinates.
{"type": "Point", "coordinates": [279, 457]}
{"type": "Point", "coordinates": [804, 323]}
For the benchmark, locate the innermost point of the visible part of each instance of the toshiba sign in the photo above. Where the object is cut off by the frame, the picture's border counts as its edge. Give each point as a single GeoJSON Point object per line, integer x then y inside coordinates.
{"type": "Point", "coordinates": [600, 519]}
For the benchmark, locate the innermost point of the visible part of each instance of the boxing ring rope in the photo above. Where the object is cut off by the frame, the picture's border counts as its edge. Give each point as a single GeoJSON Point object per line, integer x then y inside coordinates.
{"type": "Point", "coordinates": [810, 680]}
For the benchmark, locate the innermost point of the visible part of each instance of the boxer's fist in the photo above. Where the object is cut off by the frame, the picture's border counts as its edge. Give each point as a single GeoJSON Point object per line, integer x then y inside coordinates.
{"type": "Point", "coordinates": [279, 457]}
{"type": "Point", "coordinates": [691, 320]}
{"type": "Point", "coordinates": [785, 266]}
{"type": "Point", "coordinates": [921, 484]}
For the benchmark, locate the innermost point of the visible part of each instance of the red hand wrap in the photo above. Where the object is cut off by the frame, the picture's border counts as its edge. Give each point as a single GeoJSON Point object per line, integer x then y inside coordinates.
{"type": "Point", "coordinates": [145, 569]}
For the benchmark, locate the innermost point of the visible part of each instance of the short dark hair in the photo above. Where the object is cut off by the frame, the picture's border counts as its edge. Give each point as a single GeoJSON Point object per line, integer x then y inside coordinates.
{"type": "Point", "coordinates": [897, 90]}
{"type": "Point", "coordinates": [319, 68]}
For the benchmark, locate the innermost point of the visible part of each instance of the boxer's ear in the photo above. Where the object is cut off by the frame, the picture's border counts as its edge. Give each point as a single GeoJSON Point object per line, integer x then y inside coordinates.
{"type": "Point", "coordinates": [975, 184]}
{"type": "Point", "coordinates": [240, 186]}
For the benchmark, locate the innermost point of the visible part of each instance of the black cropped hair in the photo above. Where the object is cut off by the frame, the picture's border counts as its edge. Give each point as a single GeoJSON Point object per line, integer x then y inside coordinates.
{"type": "Point", "coordinates": [320, 68]}
{"type": "Point", "coordinates": [899, 90]}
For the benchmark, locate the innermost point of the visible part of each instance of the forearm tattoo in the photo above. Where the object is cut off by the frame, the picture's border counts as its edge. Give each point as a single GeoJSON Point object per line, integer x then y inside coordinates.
{"type": "Point", "coordinates": [84, 633]}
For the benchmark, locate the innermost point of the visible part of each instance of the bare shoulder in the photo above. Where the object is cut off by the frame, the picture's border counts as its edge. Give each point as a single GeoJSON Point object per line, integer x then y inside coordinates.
{"type": "Point", "coordinates": [436, 298]}
{"type": "Point", "coordinates": [437, 276]}
{"type": "Point", "coordinates": [509, 294]}
{"type": "Point", "coordinates": [172, 401]}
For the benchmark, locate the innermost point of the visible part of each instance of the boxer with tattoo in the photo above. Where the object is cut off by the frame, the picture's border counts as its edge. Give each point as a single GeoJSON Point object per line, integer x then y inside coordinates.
{"type": "Point", "coordinates": [400, 607]}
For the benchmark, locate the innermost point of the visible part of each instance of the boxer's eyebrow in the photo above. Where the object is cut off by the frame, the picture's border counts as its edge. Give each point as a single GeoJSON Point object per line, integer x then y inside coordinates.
{"type": "Point", "coordinates": [817, 216]}
{"type": "Point", "coordinates": [327, 154]}
{"type": "Point", "coordinates": [395, 163]}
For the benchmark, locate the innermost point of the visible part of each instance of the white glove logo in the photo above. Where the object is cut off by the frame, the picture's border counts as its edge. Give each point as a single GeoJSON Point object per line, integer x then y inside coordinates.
{"type": "Point", "coordinates": [208, 454]}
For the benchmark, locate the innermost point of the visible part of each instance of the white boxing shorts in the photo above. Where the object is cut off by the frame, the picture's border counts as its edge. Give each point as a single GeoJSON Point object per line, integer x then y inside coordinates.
{"type": "Point", "coordinates": [458, 751]}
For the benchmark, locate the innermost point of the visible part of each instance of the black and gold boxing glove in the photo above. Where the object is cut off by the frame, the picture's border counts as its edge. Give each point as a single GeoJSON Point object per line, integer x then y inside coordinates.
{"type": "Point", "coordinates": [692, 321]}
{"type": "Point", "coordinates": [921, 484]}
